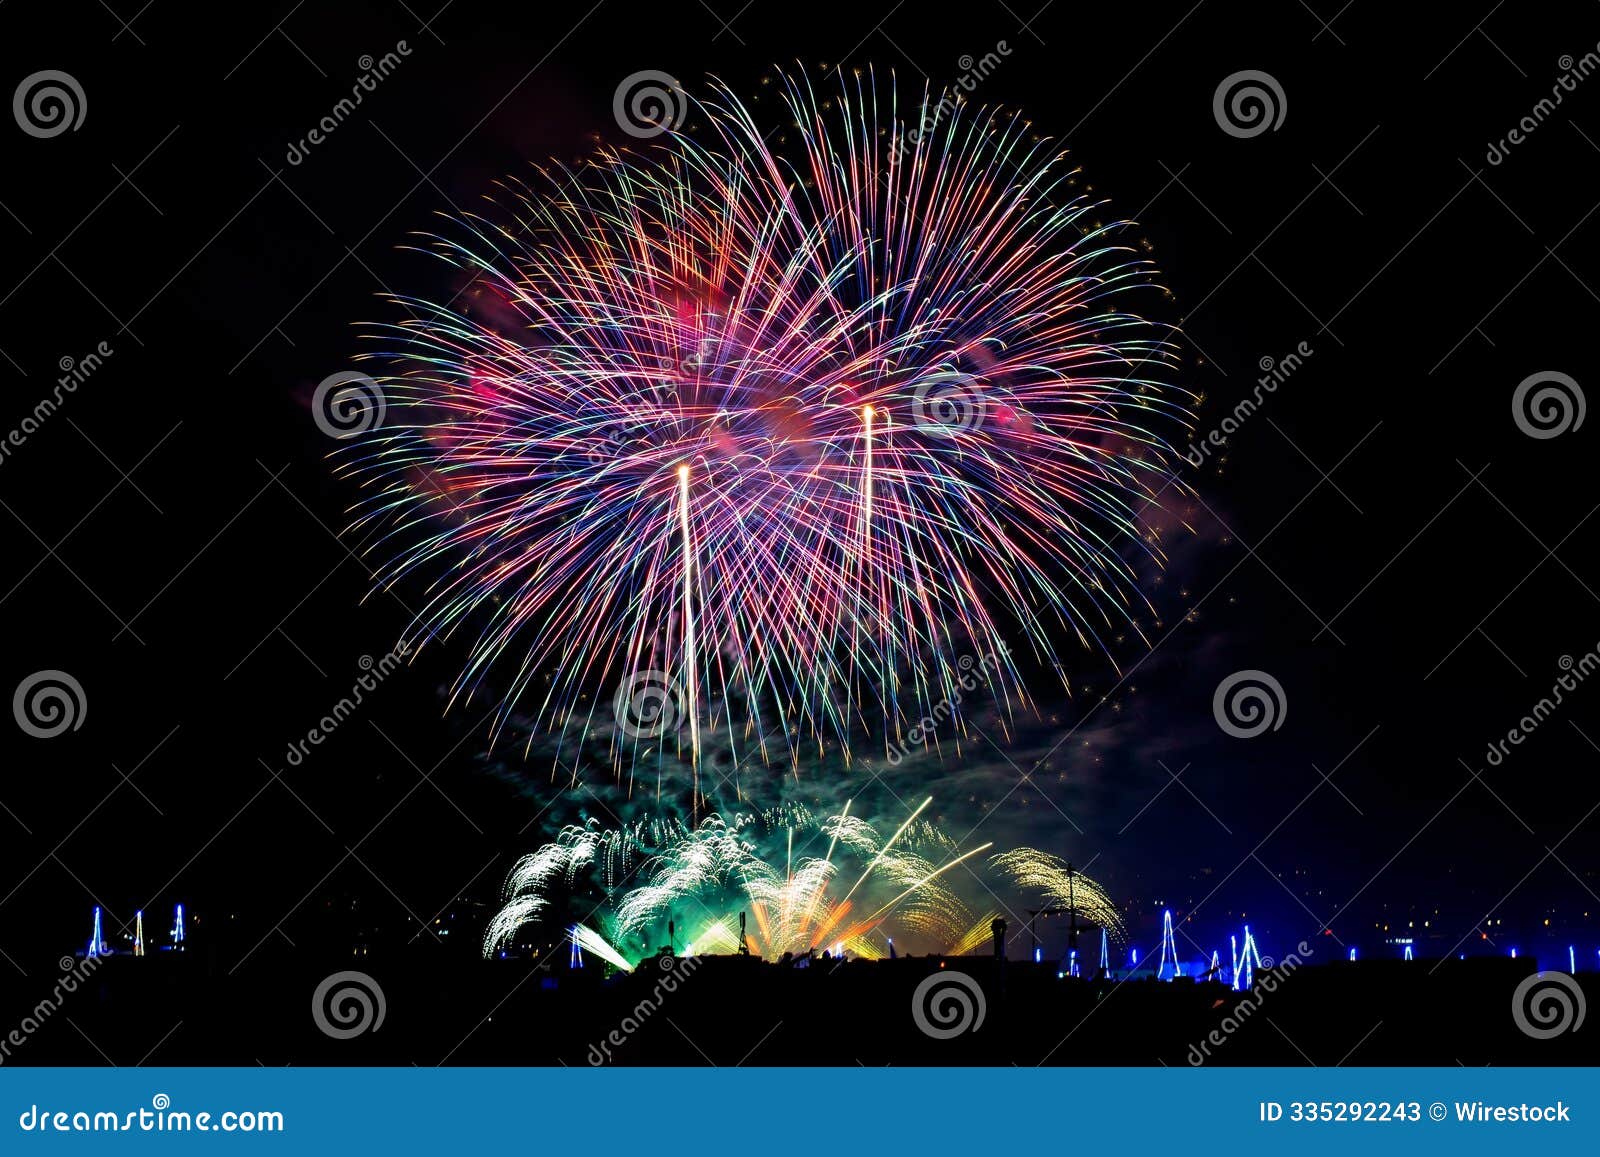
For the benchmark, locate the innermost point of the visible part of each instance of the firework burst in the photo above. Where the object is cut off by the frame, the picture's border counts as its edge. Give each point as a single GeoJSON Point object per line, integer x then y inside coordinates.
{"type": "Point", "coordinates": [794, 430]}
{"type": "Point", "coordinates": [805, 883]}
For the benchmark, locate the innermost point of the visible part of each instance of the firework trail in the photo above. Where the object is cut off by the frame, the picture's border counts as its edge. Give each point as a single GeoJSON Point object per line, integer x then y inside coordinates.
{"type": "Point", "coordinates": [806, 883]}
{"type": "Point", "coordinates": [788, 427]}
{"type": "Point", "coordinates": [1062, 886]}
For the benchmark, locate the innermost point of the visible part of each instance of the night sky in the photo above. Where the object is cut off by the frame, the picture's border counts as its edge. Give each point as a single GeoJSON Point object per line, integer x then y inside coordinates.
{"type": "Point", "coordinates": [1380, 536]}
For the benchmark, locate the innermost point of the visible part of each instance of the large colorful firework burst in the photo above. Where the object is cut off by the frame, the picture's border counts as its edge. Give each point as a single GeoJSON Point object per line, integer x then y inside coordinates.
{"type": "Point", "coordinates": [798, 428]}
{"type": "Point", "coordinates": [806, 882]}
